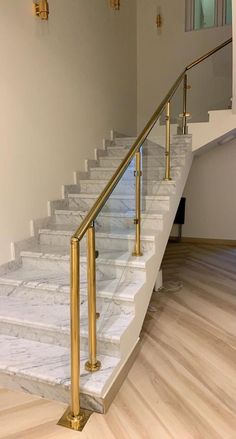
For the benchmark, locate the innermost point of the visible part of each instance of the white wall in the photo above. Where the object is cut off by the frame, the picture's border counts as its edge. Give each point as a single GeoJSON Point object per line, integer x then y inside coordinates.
{"type": "Point", "coordinates": [210, 195]}
{"type": "Point", "coordinates": [163, 54]}
{"type": "Point", "coordinates": [63, 85]}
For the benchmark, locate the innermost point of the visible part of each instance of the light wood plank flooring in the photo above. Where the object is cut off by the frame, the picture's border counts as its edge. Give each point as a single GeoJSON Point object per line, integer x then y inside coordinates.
{"type": "Point", "coordinates": [183, 383]}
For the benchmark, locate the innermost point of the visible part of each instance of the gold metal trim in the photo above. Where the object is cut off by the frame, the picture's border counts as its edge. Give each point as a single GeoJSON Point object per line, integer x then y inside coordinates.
{"type": "Point", "coordinates": [78, 423]}
{"type": "Point", "coordinates": [74, 417]}
{"type": "Point", "coordinates": [42, 9]}
{"type": "Point", "coordinates": [92, 365]}
{"type": "Point", "coordinates": [115, 4]}
{"type": "Point", "coordinates": [208, 54]}
{"type": "Point", "coordinates": [184, 120]}
{"type": "Point", "coordinates": [167, 152]}
{"type": "Point", "coordinates": [138, 174]}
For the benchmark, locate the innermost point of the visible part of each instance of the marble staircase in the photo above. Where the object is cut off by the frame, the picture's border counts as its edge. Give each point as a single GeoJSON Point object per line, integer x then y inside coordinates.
{"type": "Point", "coordinates": [34, 288]}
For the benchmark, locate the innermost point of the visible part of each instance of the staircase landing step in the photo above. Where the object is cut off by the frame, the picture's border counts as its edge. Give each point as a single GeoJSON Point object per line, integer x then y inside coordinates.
{"type": "Point", "coordinates": [44, 369]}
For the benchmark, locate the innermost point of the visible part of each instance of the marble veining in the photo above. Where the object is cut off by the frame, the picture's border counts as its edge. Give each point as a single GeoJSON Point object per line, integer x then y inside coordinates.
{"type": "Point", "coordinates": [35, 288]}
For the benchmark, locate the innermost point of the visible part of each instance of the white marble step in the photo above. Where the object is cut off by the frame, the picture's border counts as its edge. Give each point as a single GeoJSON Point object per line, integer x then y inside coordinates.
{"type": "Point", "coordinates": [148, 161]}
{"type": "Point", "coordinates": [44, 369]}
{"type": "Point", "coordinates": [50, 323]}
{"type": "Point", "coordinates": [107, 221]}
{"type": "Point", "coordinates": [129, 141]}
{"type": "Point", "coordinates": [57, 235]}
{"type": "Point", "coordinates": [110, 263]}
{"type": "Point", "coordinates": [120, 203]}
{"type": "Point", "coordinates": [55, 288]}
{"type": "Point", "coordinates": [151, 150]}
{"type": "Point", "coordinates": [149, 187]}
{"type": "Point", "coordinates": [149, 173]}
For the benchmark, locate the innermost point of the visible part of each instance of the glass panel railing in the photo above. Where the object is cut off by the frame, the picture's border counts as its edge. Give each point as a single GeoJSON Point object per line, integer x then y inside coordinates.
{"type": "Point", "coordinates": [125, 218]}
{"type": "Point", "coordinates": [211, 85]}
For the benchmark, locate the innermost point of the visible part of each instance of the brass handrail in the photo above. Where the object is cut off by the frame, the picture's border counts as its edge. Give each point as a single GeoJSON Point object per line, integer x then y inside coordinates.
{"type": "Point", "coordinates": [102, 199]}
{"type": "Point", "coordinates": [208, 54]}
{"type": "Point", "coordinates": [74, 417]}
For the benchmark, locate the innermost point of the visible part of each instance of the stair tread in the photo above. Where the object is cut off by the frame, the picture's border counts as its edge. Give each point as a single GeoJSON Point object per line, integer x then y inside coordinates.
{"type": "Point", "coordinates": [161, 181]}
{"type": "Point", "coordinates": [111, 168]}
{"type": "Point", "coordinates": [30, 312]}
{"type": "Point", "coordinates": [51, 364]}
{"type": "Point", "coordinates": [127, 214]}
{"type": "Point", "coordinates": [120, 196]}
{"type": "Point", "coordinates": [144, 158]}
{"type": "Point", "coordinates": [116, 257]}
{"type": "Point", "coordinates": [59, 282]}
{"type": "Point", "coordinates": [68, 229]}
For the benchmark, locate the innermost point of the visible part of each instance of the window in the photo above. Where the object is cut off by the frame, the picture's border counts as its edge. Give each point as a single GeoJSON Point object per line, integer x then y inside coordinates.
{"type": "Point", "coordinates": [228, 12]}
{"type": "Point", "coordinates": [202, 14]}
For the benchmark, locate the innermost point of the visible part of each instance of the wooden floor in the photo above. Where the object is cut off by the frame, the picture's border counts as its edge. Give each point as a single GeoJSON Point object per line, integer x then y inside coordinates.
{"type": "Point", "coordinates": [183, 383]}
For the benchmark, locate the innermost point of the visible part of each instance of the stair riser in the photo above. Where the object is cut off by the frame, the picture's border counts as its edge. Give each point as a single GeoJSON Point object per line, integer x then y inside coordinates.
{"type": "Point", "coordinates": [109, 224]}
{"type": "Point", "coordinates": [146, 161]}
{"type": "Point", "coordinates": [119, 205]}
{"type": "Point", "coordinates": [148, 174]}
{"type": "Point", "coordinates": [148, 188]}
{"type": "Point", "coordinates": [103, 270]}
{"type": "Point", "coordinates": [55, 337]}
{"type": "Point", "coordinates": [56, 392]}
{"type": "Point", "coordinates": [102, 243]}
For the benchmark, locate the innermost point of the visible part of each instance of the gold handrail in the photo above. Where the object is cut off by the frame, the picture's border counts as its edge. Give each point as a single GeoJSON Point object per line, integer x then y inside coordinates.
{"type": "Point", "coordinates": [208, 54]}
{"type": "Point", "coordinates": [102, 199]}
{"type": "Point", "coordinates": [74, 417]}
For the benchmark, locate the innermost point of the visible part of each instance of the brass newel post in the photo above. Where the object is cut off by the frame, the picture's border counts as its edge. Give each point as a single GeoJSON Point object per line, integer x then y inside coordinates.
{"type": "Point", "coordinates": [184, 121]}
{"type": "Point", "coordinates": [138, 174]}
{"type": "Point", "coordinates": [167, 152]}
{"type": "Point", "coordinates": [92, 365]}
{"type": "Point", "coordinates": [74, 417]}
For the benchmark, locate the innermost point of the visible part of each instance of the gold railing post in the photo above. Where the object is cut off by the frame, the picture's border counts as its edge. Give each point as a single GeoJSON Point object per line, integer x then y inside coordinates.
{"type": "Point", "coordinates": [92, 365]}
{"type": "Point", "coordinates": [138, 174]}
{"type": "Point", "coordinates": [184, 121]}
{"type": "Point", "coordinates": [167, 152]}
{"type": "Point", "coordinates": [74, 417]}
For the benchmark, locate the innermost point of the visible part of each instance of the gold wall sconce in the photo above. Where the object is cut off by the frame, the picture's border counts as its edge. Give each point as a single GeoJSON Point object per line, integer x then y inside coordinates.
{"type": "Point", "coordinates": [115, 4]}
{"type": "Point", "coordinates": [159, 18]}
{"type": "Point", "coordinates": [159, 21]}
{"type": "Point", "coordinates": [41, 9]}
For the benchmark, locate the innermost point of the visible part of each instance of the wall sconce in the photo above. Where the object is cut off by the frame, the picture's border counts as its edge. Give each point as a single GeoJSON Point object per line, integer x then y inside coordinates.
{"type": "Point", "coordinates": [159, 21]}
{"type": "Point", "coordinates": [159, 18]}
{"type": "Point", "coordinates": [115, 4]}
{"type": "Point", "coordinates": [41, 8]}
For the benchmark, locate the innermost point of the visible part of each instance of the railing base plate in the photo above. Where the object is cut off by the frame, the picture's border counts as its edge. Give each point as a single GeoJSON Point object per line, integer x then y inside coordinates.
{"type": "Point", "coordinates": [76, 424]}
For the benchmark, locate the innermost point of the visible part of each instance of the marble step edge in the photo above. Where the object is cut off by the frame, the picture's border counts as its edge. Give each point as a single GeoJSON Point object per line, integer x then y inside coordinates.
{"type": "Point", "coordinates": [127, 215]}
{"type": "Point", "coordinates": [130, 262]}
{"type": "Point", "coordinates": [145, 181]}
{"type": "Point", "coordinates": [120, 196]}
{"type": "Point", "coordinates": [37, 329]}
{"type": "Point", "coordinates": [145, 169]}
{"type": "Point", "coordinates": [110, 235]}
{"type": "Point", "coordinates": [128, 141]}
{"type": "Point", "coordinates": [96, 390]}
{"type": "Point", "coordinates": [112, 289]}
{"type": "Point", "coordinates": [145, 158]}
{"type": "Point", "coordinates": [88, 381]}
{"type": "Point", "coordinates": [159, 187]}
